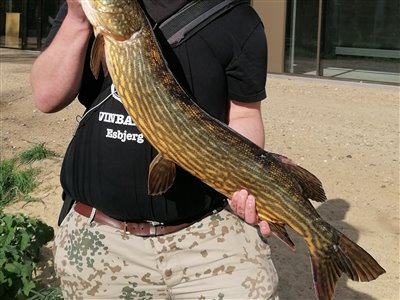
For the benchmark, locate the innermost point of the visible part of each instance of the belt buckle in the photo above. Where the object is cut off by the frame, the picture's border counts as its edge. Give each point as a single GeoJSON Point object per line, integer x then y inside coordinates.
{"type": "Point", "coordinates": [153, 227]}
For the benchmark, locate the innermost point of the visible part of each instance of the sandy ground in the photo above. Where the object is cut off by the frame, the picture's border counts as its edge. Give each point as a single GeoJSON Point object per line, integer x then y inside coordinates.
{"type": "Point", "coordinates": [345, 133]}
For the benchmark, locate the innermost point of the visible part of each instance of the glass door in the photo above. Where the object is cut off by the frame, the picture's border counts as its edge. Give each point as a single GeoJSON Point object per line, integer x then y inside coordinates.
{"type": "Point", "coordinates": [11, 23]}
{"type": "Point", "coordinates": [346, 39]}
{"type": "Point", "coordinates": [25, 24]}
{"type": "Point", "coordinates": [302, 34]}
{"type": "Point", "coordinates": [361, 40]}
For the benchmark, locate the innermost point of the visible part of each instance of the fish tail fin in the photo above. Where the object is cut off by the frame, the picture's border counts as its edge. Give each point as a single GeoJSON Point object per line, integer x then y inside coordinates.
{"type": "Point", "coordinates": [346, 257]}
{"type": "Point", "coordinates": [365, 266]}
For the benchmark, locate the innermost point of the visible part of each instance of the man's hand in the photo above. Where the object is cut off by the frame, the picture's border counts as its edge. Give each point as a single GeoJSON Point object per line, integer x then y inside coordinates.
{"type": "Point", "coordinates": [75, 11]}
{"type": "Point", "coordinates": [244, 205]}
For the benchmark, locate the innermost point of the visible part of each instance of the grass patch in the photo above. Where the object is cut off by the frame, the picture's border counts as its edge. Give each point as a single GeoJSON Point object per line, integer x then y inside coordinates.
{"type": "Point", "coordinates": [15, 184]}
{"type": "Point", "coordinates": [16, 180]}
{"type": "Point", "coordinates": [38, 152]}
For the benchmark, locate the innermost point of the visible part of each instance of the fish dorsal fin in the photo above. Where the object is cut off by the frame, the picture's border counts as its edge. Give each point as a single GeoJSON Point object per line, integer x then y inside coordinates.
{"type": "Point", "coordinates": [280, 232]}
{"type": "Point", "coordinates": [161, 175]}
{"type": "Point", "coordinates": [98, 56]}
{"type": "Point", "coordinates": [311, 186]}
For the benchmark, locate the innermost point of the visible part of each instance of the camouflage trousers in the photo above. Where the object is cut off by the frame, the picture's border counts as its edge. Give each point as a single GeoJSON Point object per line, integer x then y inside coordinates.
{"type": "Point", "coordinates": [219, 257]}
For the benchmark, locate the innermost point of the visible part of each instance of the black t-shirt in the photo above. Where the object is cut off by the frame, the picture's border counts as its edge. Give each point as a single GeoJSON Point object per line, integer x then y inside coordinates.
{"type": "Point", "coordinates": [106, 164]}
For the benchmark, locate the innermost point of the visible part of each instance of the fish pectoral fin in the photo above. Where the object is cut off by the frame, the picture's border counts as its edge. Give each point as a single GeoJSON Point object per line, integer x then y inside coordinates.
{"type": "Point", "coordinates": [98, 56]}
{"type": "Point", "coordinates": [161, 175]}
{"type": "Point", "coordinates": [280, 232]}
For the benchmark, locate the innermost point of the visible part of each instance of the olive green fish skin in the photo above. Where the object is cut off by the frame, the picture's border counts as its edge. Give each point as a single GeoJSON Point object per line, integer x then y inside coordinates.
{"type": "Point", "coordinates": [185, 134]}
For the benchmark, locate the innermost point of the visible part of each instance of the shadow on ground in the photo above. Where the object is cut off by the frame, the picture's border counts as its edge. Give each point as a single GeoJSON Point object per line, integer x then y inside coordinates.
{"type": "Point", "coordinates": [45, 269]}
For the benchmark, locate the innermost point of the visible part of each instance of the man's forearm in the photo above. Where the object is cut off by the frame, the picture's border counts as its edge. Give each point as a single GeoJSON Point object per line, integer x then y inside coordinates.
{"type": "Point", "coordinates": [57, 72]}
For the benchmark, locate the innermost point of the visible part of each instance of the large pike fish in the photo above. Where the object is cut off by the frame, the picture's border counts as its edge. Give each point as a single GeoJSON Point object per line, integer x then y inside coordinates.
{"type": "Point", "coordinates": [185, 135]}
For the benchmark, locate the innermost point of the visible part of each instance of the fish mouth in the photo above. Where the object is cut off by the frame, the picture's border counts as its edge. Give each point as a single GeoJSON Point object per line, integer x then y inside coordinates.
{"type": "Point", "coordinates": [93, 9]}
{"type": "Point", "coordinates": [100, 12]}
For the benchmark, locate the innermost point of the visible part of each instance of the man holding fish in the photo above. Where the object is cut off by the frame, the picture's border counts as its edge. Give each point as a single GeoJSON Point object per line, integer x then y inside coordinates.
{"type": "Point", "coordinates": [117, 241]}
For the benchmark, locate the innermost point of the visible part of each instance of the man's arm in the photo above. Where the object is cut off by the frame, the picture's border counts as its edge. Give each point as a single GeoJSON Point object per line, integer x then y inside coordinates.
{"type": "Point", "coordinates": [246, 119]}
{"type": "Point", "coordinates": [57, 72]}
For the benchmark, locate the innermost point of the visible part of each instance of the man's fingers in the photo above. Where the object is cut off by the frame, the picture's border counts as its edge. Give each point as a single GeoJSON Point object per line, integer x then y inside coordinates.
{"type": "Point", "coordinates": [264, 228]}
{"type": "Point", "coordinates": [241, 203]}
{"type": "Point", "coordinates": [233, 201]}
{"type": "Point", "coordinates": [250, 215]}
{"type": "Point", "coordinates": [244, 205]}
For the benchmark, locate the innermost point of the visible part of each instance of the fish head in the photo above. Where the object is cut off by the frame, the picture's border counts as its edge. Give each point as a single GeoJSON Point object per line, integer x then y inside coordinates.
{"type": "Point", "coordinates": [119, 19]}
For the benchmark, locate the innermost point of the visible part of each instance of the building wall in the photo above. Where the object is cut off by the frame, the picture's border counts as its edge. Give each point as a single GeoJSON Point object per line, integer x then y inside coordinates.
{"type": "Point", "coordinates": [273, 14]}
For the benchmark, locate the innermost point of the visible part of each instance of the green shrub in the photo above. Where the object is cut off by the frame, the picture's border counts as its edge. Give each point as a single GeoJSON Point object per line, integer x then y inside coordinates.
{"type": "Point", "coordinates": [21, 238]}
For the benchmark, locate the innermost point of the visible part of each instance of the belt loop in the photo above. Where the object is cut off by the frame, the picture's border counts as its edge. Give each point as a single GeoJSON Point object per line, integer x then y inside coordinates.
{"type": "Point", "coordinates": [153, 230]}
{"type": "Point", "coordinates": [125, 230]}
{"type": "Point", "coordinates": [92, 215]}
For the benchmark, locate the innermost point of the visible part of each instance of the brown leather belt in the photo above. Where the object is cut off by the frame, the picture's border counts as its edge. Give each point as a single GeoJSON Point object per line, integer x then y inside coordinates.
{"type": "Point", "coordinates": [144, 229]}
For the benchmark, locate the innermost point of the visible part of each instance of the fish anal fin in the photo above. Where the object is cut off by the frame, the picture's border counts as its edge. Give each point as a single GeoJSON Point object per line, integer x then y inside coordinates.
{"type": "Point", "coordinates": [311, 186]}
{"type": "Point", "coordinates": [162, 174]}
{"type": "Point", "coordinates": [280, 232]}
{"type": "Point", "coordinates": [98, 57]}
